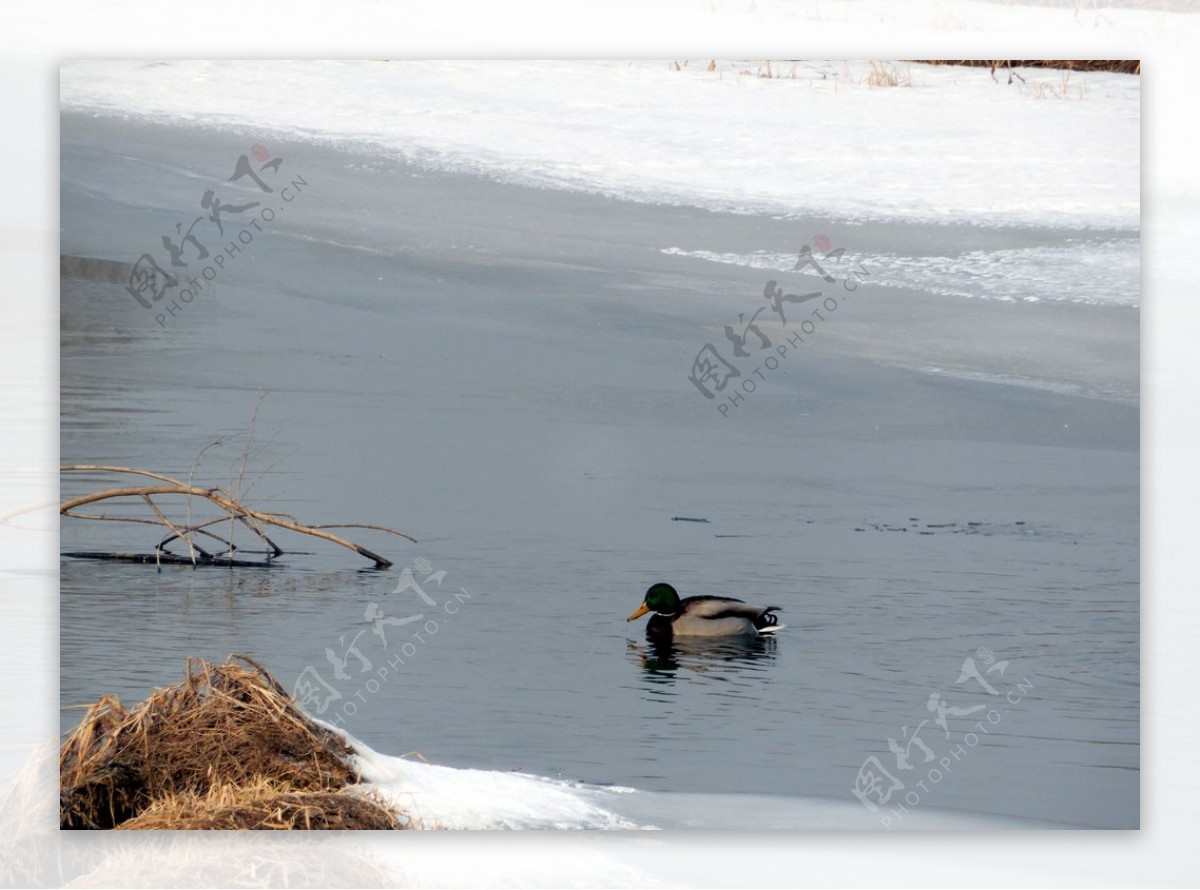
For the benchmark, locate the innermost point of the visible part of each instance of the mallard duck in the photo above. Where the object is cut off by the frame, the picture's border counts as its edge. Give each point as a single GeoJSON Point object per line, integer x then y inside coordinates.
{"type": "Point", "coordinates": [703, 616]}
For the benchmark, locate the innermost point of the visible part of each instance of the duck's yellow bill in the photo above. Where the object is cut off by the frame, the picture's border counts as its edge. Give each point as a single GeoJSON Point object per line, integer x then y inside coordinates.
{"type": "Point", "coordinates": [642, 610]}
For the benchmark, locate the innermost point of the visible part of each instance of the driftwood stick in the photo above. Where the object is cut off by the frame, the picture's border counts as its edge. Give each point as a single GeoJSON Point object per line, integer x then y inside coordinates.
{"type": "Point", "coordinates": [257, 529]}
{"type": "Point", "coordinates": [135, 492]}
{"type": "Point", "coordinates": [202, 528]}
{"type": "Point", "coordinates": [193, 547]}
{"type": "Point", "coordinates": [378, 528]}
{"type": "Point", "coordinates": [218, 498]}
{"type": "Point", "coordinates": [225, 503]}
{"type": "Point", "coordinates": [102, 517]}
{"type": "Point", "coordinates": [165, 558]}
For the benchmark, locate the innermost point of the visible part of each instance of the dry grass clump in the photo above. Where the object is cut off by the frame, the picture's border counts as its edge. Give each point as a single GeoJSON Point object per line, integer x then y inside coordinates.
{"type": "Point", "coordinates": [263, 805]}
{"type": "Point", "coordinates": [765, 72]}
{"type": "Point", "coordinates": [1060, 90]}
{"type": "Point", "coordinates": [188, 751]}
{"type": "Point", "coordinates": [884, 75]}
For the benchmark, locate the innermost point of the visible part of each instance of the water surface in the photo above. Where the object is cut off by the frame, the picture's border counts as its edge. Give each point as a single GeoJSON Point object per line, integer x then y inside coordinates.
{"type": "Point", "coordinates": [502, 372]}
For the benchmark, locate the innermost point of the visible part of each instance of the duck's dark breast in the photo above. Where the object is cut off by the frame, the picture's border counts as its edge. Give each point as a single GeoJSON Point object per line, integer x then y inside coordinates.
{"type": "Point", "coordinates": [658, 626]}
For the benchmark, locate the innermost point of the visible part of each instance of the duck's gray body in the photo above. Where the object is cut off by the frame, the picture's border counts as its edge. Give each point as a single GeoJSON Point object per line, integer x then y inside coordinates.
{"type": "Point", "coordinates": [715, 616]}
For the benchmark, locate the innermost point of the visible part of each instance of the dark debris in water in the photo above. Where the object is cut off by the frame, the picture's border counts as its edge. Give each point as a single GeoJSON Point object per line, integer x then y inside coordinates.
{"type": "Point", "coordinates": [973, 527]}
{"type": "Point", "coordinates": [687, 519]}
{"type": "Point", "coordinates": [174, 559]}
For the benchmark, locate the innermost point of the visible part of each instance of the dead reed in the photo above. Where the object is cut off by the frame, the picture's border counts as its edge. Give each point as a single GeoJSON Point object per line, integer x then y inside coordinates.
{"type": "Point", "coordinates": [225, 748]}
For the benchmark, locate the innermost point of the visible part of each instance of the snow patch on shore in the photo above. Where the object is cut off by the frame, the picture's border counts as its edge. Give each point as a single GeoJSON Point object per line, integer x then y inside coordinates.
{"type": "Point", "coordinates": [814, 139]}
{"type": "Point", "coordinates": [446, 797]}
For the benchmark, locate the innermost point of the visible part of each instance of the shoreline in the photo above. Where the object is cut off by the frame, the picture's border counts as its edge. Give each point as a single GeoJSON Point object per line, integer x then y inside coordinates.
{"type": "Point", "coordinates": [693, 131]}
{"type": "Point", "coordinates": [228, 749]}
{"type": "Point", "coordinates": [1053, 342]}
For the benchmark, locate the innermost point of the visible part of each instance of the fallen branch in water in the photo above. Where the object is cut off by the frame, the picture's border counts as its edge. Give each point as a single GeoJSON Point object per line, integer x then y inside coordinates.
{"type": "Point", "coordinates": [233, 509]}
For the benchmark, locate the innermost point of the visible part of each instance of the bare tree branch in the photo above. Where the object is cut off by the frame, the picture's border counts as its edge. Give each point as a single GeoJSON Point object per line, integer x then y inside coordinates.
{"type": "Point", "coordinates": [232, 507]}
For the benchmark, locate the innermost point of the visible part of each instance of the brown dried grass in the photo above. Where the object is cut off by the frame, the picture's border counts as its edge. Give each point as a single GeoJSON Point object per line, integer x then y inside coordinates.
{"type": "Point", "coordinates": [884, 75]}
{"type": "Point", "coordinates": [190, 749]}
{"type": "Point", "coordinates": [264, 805]}
{"type": "Point", "coordinates": [1120, 66]}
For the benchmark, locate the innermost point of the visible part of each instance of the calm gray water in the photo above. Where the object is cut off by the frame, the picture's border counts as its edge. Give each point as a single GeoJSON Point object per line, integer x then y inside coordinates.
{"type": "Point", "coordinates": [502, 372]}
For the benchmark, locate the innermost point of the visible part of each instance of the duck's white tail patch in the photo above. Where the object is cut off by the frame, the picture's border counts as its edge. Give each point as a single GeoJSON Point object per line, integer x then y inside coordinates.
{"type": "Point", "coordinates": [771, 629]}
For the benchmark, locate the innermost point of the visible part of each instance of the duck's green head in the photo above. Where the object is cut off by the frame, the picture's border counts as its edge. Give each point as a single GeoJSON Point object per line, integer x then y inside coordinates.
{"type": "Point", "coordinates": [660, 598]}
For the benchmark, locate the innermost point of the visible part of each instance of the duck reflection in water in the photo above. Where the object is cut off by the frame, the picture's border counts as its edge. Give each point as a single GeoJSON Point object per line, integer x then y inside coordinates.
{"type": "Point", "coordinates": [662, 656]}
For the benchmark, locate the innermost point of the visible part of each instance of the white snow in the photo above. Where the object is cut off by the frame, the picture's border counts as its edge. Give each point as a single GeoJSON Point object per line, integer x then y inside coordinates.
{"type": "Point", "coordinates": [1097, 271]}
{"type": "Point", "coordinates": [443, 797]}
{"type": "Point", "coordinates": [817, 139]}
